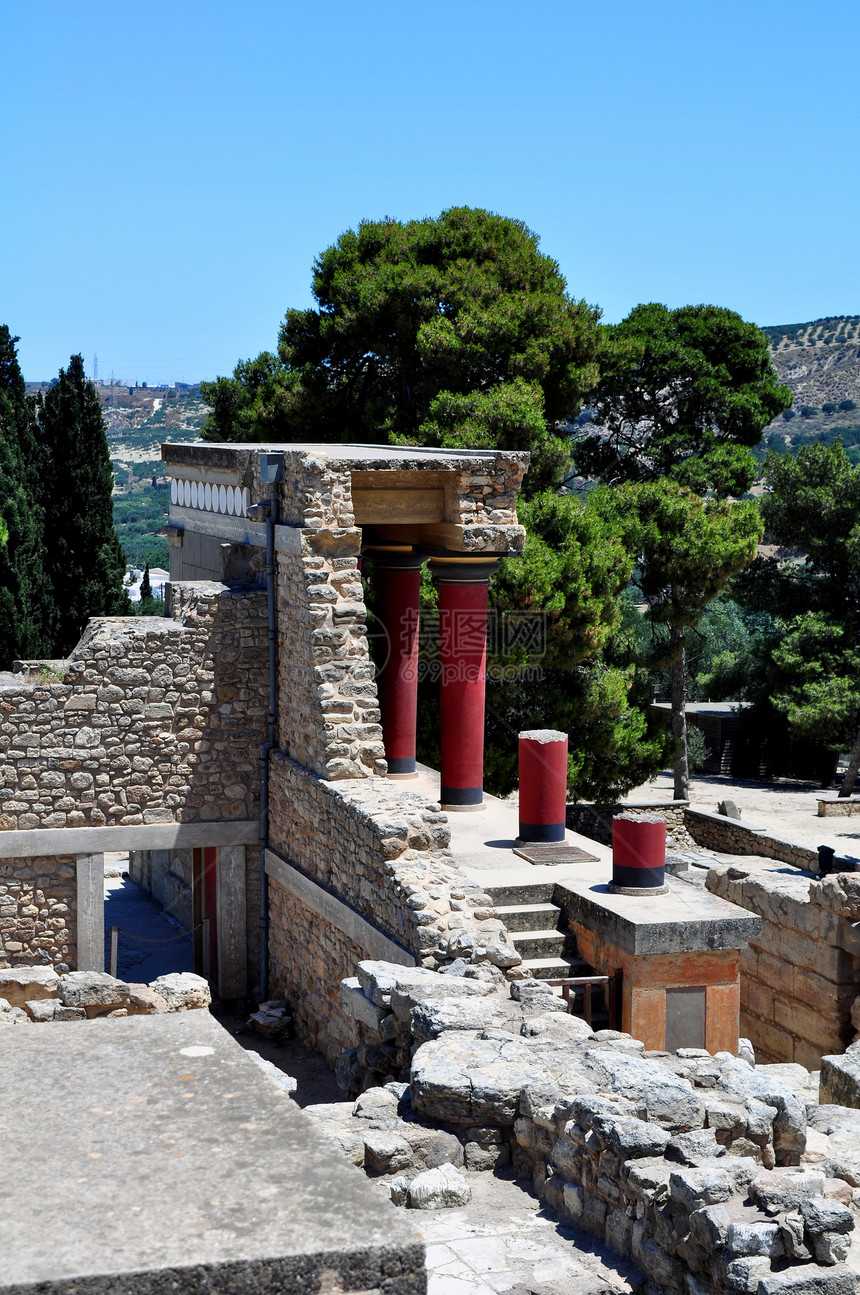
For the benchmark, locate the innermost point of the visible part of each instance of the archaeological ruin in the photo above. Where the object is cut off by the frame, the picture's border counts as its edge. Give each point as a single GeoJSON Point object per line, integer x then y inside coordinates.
{"type": "Point", "coordinates": [257, 762]}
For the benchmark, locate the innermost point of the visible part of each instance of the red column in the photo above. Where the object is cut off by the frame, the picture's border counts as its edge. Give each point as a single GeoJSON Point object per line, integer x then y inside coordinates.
{"type": "Point", "coordinates": [462, 585]}
{"type": "Point", "coordinates": [543, 784]}
{"type": "Point", "coordinates": [397, 580]}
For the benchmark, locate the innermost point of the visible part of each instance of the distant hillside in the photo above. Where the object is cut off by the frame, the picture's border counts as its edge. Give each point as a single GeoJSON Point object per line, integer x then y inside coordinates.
{"type": "Point", "coordinates": [138, 419]}
{"type": "Point", "coordinates": [820, 361]}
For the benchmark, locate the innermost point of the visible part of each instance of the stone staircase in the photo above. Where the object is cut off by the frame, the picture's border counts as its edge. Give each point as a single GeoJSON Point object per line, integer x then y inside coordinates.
{"type": "Point", "coordinates": [536, 930]}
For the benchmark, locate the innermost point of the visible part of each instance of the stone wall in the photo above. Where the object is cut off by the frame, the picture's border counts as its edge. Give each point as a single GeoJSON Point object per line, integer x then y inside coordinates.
{"type": "Point", "coordinates": [384, 852]}
{"type": "Point", "coordinates": [38, 903]}
{"type": "Point", "coordinates": [155, 721]}
{"type": "Point", "coordinates": [730, 836]}
{"type": "Point", "coordinates": [690, 1165]}
{"type": "Point", "coordinates": [168, 876]}
{"type": "Point", "coordinates": [595, 821]}
{"type": "Point", "coordinates": [798, 980]}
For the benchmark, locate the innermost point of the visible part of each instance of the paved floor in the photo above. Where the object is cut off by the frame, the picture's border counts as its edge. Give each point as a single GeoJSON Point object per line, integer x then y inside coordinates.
{"type": "Point", "coordinates": [784, 807]}
{"type": "Point", "coordinates": [483, 841]}
{"type": "Point", "coordinates": [150, 943]}
{"type": "Point", "coordinates": [504, 1241]}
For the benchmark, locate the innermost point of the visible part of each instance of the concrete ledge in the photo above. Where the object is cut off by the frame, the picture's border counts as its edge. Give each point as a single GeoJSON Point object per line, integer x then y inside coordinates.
{"type": "Point", "coordinates": [41, 841]}
{"type": "Point", "coordinates": [685, 920]}
{"type": "Point", "coordinates": [166, 1161]}
{"type": "Point", "coordinates": [370, 938]}
{"type": "Point", "coordinates": [834, 807]}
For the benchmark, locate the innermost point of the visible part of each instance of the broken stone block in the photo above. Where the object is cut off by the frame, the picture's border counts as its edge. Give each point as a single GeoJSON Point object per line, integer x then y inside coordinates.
{"type": "Point", "coordinates": [385, 1152]}
{"type": "Point", "coordinates": [810, 1281]}
{"type": "Point", "coordinates": [839, 1083]}
{"type": "Point", "coordinates": [285, 1082]}
{"type": "Point", "coordinates": [94, 991]}
{"type": "Point", "coordinates": [430, 1019]}
{"type": "Point", "coordinates": [441, 1188]}
{"type": "Point", "coordinates": [696, 1188]}
{"type": "Point", "coordinates": [19, 985]}
{"type": "Point", "coordinates": [629, 1138]}
{"type": "Point", "coordinates": [781, 1191]}
{"type": "Point", "coordinates": [375, 1102]}
{"type": "Point", "coordinates": [183, 991]}
{"type": "Point", "coordinates": [464, 1078]}
{"type": "Point", "coordinates": [40, 1009]}
{"type": "Point", "coordinates": [557, 1026]}
{"type": "Point", "coordinates": [822, 1215]}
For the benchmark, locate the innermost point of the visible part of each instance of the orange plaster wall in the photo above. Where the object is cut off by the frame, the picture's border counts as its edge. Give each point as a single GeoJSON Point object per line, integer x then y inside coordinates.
{"type": "Point", "coordinates": [645, 979]}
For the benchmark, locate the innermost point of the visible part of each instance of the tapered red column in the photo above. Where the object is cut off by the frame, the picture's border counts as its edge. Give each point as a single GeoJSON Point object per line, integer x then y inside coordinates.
{"type": "Point", "coordinates": [463, 671]}
{"type": "Point", "coordinates": [397, 579]}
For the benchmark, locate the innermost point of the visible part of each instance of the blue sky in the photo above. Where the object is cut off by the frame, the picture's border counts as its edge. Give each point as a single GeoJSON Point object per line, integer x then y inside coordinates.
{"type": "Point", "coordinates": [170, 170]}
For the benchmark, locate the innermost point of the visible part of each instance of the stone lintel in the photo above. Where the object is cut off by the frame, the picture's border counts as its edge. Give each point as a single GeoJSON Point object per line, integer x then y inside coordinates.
{"type": "Point", "coordinates": [43, 841]}
{"type": "Point", "coordinates": [684, 920]}
{"type": "Point", "coordinates": [375, 943]}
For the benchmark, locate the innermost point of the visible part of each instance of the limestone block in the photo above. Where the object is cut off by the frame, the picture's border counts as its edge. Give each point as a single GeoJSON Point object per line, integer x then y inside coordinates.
{"type": "Point", "coordinates": [810, 1280]}
{"type": "Point", "coordinates": [430, 1019]}
{"type": "Point", "coordinates": [19, 985]}
{"type": "Point", "coordinates": [182, 991]}
{"type": "Point", "coordinates": [839, 1083]}
{"type": "Point", "coordinates": [466, 1078]}
{"type": "Point", "coordinates": [440, 1188]}
{"type": "Point", "coordinates": [778, 1192]}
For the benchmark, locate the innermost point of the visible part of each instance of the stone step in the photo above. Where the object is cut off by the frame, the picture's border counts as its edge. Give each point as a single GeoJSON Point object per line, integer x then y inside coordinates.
{"type": "Point", "coordinates": [539, 944]}
{"type": "Point", "coordinates": [554, 968]}
{"type": "Point", "coordinates": [529, 893]}
{"type": "Point", "coordinates": [529, 917]}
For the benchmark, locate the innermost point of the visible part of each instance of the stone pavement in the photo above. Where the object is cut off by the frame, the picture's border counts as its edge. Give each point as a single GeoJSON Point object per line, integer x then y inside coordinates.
{"type": "Point", "coordinates": [505, 1241]}
{"type": "Point", "coordinates": [156, 951]}
{"type": "Point", "coordinates": [483, 841]}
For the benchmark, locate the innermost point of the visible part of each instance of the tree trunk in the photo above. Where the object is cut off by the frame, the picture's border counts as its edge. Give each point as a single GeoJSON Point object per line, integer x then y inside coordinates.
{"type": "Point", "coordinates": [853, 769]}
{"type": "Point", "coordinates": [679, 718]}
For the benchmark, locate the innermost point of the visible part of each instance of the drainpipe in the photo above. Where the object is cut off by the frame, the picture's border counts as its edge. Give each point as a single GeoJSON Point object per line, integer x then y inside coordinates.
{"type": "Point", "coordinates": [271, 473]}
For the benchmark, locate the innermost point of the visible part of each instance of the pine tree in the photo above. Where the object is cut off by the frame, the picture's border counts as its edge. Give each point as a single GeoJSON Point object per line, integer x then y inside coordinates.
{"type": "Point", "coordinates": [25, 602]}
{"type": "Point", "coordinates": [85, 562]}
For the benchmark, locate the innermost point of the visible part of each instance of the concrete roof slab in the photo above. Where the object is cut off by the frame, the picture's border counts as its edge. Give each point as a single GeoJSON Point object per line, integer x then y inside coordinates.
{"type": "Point", "coordinates": [149, 1154]}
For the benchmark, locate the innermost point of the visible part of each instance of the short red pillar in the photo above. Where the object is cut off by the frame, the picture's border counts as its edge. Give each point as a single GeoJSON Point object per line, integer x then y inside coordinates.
{"type": "Point", "coordinates": [462, 585]}
{"type": "Point", "coordinates": [543, 784]}
{"type": "Point", "coordinates": [397, 580]}
{"type": "Point", "coordinates": [638, 854]}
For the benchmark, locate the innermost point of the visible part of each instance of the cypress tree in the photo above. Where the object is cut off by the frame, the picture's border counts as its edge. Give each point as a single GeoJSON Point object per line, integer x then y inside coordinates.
{"type": "Point", "coordinates": [85, 562]}
{"type": "Point", "coordinates": [145, 584]}
{"type": "Point", "coordinates": [25, 601]}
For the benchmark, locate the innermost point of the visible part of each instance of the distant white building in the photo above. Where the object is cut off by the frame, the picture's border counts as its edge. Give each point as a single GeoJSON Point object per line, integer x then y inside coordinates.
{"type": "Point", "coordinates": [158, 578]}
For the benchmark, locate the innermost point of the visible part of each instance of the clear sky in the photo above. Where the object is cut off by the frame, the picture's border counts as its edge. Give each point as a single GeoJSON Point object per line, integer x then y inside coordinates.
{"type": "Point", "coordinates": [170, 168]}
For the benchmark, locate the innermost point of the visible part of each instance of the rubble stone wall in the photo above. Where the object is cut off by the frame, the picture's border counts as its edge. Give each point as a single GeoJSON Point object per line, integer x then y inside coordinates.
{"type": "Point", "coordinates": [687, 1164]}
{"type": "Point", "coordinates": [595, 821]}
{"type": "Point", "coordinates": [155, 720]}
{"type": "Point", "coordinates": [729, 836]}
{"type": "Point", "coordinates": [797, 983]}
{"type": "Point", "coordinates": [38, 904]}
{"type": "Point", "coordinates": [384, 852]}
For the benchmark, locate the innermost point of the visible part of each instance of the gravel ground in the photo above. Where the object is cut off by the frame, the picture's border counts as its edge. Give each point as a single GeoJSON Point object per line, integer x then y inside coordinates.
{"type": "Point", "coordinates": [783, 807]}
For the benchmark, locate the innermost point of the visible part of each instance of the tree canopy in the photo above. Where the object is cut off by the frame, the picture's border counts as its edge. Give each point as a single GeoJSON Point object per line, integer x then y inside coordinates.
{"type": "Point", "coordinates": [85, 562]}
{"type": "Point", "coordinates": [683, 393]}
{"type": "Point", "coordinates": [450, 331]}
{"type": "Point", "coordinates": [25, 600]}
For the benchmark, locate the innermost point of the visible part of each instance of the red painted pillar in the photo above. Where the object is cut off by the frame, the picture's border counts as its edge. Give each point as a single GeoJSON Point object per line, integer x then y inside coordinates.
{"type": "Point", "coordinates": [543, 785]}
{"type": "Point", "coordinates": [397, 579]}
{"type": "Point", "coordinates": [462, 585]}
{"type": "Point", "coordinates": [638, 854]}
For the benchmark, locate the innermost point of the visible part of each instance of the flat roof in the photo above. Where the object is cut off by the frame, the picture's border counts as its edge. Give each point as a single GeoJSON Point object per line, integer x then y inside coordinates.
{"type": "Point", "coordinates": [151, 1143]}
{"type": "Point", "coordinates": [357, 456]}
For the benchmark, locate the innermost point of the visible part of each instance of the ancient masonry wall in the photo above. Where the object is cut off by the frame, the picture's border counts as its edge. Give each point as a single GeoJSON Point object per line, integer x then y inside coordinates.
{"type": "Point", "coordinates": [384, 852]}
{"type": "Point", "coordinates": [729, 836]}
{"type": "Point", "coordinates": [798, 978]}
{"type": "Point", "coordinates": [677, 1162]}
{"type": "Point", "coordinates": [154, 721]}
{"type": "Point", "coordinates": [38, 901]}
{"type": "Point", "coordinates": [595, 821]}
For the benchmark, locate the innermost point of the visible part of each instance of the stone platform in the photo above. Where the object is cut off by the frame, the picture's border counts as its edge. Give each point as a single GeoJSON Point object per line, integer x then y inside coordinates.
{"type": "Point", "coordinates": [149, 1154]}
